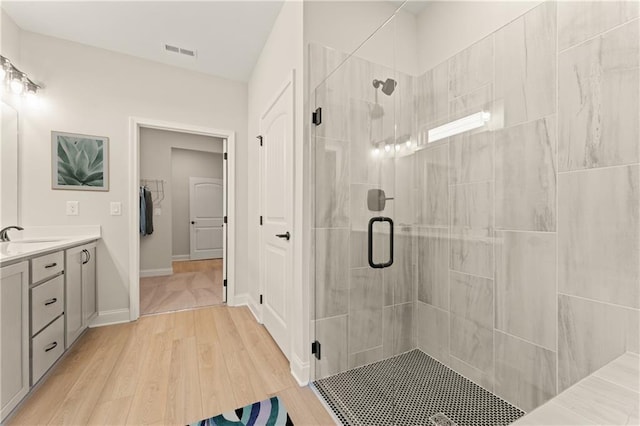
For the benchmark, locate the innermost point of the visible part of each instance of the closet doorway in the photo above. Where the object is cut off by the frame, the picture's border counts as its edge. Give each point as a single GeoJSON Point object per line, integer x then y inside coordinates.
{"type": "Point", "coordinates": [182, 221]}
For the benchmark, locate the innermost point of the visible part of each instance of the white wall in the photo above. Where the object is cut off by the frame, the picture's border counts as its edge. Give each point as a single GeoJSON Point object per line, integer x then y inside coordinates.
{"type": "Point", "coordinates": [186, 163]}
{"type": "Point", "coordinates": [447, 27]}
{"type": "Point", "coordinates": [281, 54]}
{"type": "Point", "coordinates": [156, 163]}
{"type": "Point", "coordinates": [344, 25]}
{"type": "Point", "coordinates": [95, 91]}
{"type": "Point", "coordinates": [10, 39]}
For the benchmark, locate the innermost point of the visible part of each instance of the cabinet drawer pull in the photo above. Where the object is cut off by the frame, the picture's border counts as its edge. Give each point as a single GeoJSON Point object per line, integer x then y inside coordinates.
{"type": "Point", "coordinates": [88, 258]}
{"type": "Point", "coordinates": [51, 347]}
{"type": "Point", "coordinates": [50, 301]}
{"type": "Point", "coordinates": [51, 265]}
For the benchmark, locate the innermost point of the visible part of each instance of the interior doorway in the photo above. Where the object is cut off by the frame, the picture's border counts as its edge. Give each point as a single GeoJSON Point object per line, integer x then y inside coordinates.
{"type": "Point", "coordinates": [182, 225]}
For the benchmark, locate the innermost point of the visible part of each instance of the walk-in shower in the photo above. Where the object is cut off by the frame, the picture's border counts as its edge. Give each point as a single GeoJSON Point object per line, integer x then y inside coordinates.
{"type": "Point", "coordinates": [469, 278]}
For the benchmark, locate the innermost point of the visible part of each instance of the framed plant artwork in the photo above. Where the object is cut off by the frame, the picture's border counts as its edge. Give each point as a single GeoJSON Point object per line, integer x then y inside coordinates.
{"type": "Point", "coordinates": [79, 162]}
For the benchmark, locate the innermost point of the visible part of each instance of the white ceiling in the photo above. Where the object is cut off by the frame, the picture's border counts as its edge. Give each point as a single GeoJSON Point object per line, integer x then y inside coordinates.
{"type": "Point", "coordinates": [228, 35]}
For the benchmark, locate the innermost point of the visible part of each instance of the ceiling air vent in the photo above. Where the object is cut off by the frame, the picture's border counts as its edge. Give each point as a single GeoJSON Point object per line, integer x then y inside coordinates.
{"type": "Point", "coordinates": [180, 50]}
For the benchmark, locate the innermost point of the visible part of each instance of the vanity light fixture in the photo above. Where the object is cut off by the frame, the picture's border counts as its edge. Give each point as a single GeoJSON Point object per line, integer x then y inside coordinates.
{"type": "Point", "coordinates": [17, 81]}
{"type": "Point", "coordinates": [4, 68]}
{"type": "Point", "coordinates": [461, 125]}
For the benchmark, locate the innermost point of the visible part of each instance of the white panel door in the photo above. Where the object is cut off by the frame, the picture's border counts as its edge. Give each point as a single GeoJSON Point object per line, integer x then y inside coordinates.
{"type": "Point", "coordinates": [276, 200]}
{"type": "Point", "coordinates": [207, 213]}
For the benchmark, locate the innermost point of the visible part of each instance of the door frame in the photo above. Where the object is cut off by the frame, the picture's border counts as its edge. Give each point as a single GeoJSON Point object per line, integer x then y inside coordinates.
{"type": "Point", "coordinates": [221, 182]}
{"type": "Point", "coordinates": [135, 124]}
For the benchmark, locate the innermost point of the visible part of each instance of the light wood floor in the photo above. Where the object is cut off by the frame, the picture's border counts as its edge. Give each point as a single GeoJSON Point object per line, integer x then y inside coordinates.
{"type": "Point", "coordinates": [168, 369]}
{"type": "Point", "coordinates": [193, 284]}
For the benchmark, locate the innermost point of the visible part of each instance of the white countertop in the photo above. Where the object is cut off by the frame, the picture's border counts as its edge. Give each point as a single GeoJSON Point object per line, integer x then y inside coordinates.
{"type": "Point", "coordinates": [42, 239]}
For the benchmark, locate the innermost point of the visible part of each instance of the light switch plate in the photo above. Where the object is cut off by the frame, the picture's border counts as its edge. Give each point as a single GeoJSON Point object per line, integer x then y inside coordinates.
{"type": "Point", "coordinates": [73, 208]}
{"type": "Point", "coordinates": [116, 208]}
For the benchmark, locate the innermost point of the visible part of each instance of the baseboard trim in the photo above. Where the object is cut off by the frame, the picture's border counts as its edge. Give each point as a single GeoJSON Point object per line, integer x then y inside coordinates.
{"type": "Point", "coordinates": [299, 370]}
{"type": "Point", "coordinates": [156, 272]}
{"type": "Point", "coordinates": [241, 300]}
{"type": "Point", "coordinates": [116, 316]}
{"type": "Point", "coordinates": [255, 310]}
{"type": "Point", "coordinates": [247, 300]}
{"type": "Point", "coordinates": [179, 257]}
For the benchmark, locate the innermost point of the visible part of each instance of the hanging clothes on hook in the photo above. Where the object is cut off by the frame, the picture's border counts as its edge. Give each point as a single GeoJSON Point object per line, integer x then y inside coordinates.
{"type": "Point", "coordinates": [143, 205]}
{"type": "Point", "coordinates": [146, 211]}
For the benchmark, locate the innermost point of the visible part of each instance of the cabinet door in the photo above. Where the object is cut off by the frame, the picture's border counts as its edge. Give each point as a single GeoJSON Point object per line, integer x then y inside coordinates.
{"type": "Point", "coordinates": [73, 294]}
{"type": "Point", "coordinates": [14, 336]}
{"type": "Point", "coordinates": [89, 308]}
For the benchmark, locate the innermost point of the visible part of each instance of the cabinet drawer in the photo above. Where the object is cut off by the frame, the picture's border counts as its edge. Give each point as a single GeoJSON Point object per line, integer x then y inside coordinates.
{"type": "Point", "coordinates": [47, 266]}
{"type": "Point", "coordinates": [47, 348]}
{"type": "Point", "coordinates": [47, 303]}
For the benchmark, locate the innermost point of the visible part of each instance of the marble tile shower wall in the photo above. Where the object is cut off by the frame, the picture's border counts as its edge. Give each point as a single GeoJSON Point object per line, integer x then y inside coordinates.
{"type": "Point", "coordinates": [362, 315]}
{"type": "Point", "coordinates": [527, 234]}
{"type": "Point", "coordinates": [518, 247]}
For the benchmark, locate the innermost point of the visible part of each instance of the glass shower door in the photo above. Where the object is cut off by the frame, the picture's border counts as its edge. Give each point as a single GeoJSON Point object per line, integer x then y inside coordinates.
{"type": "Point", "coordinates": [354, 150]}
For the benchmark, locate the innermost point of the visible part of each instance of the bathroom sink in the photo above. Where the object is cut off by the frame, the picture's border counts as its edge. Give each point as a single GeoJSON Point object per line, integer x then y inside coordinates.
{"type": "Point", "coordinates": [37, 240]}
{"type": "Point", "coordinates": [18, 247]}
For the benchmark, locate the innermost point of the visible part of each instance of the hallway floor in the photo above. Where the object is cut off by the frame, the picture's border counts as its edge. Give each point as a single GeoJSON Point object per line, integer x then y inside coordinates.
{"type": "Point", "coordinates": [169, 369]}
{"type": "Point", "coordinates": [193, 284]}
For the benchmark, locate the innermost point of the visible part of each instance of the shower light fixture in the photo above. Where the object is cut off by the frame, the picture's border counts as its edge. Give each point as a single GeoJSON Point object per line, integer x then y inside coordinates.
{"type": "Point", "coordinates": [16, 80]}
{"type": "Point", "coordinates": [461, 125]}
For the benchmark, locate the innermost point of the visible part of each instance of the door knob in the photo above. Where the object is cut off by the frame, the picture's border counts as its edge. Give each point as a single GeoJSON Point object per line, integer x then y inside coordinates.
{"type": "Point", "coordinates": [193, 222]}
{"type": "Point", "coordinates": [286, 235]}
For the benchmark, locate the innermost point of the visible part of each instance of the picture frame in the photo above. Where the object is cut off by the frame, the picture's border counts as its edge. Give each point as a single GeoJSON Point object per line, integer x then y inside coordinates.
{"type": "Point", "coordinates": [79, 162]}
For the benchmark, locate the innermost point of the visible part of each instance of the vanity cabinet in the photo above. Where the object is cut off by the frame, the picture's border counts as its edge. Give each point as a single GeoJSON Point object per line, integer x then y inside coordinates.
{"type": "Point", "coordinates": [80, 292]}
{"type": "Point", "coordinates": [14, 335]}
{"type": "Point", "coordinates": [47, 312]}
{"type": "Point", "coordinates": [46, 301]}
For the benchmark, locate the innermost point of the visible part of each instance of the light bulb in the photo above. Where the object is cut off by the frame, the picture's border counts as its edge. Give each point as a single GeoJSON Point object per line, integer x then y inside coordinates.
{"type": "Point", "coordinates": [17, 86]}
{"type": "Point", "coordinates": [387, 148]}
{"type": "Point", "coordinates": [31, 96]}
{"type": "Point", "coordinates": [397, 147]}
{"type": "Point", "coordinates": [376, 152]}
{"type": "Point", "coordinates": [409, 143]}
{"type": "Point", "coordinates": [5, 66]}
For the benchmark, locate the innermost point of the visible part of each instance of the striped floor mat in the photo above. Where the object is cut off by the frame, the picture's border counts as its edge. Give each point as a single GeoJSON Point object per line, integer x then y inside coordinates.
{"type": "Point", "coordinates": [270, 412]}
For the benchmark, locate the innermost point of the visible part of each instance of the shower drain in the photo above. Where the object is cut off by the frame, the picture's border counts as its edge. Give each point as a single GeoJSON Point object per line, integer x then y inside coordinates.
{"type": "Point", "coordinates": [412, 389]}
{"type": "Point", "coordinates": [441, 420]}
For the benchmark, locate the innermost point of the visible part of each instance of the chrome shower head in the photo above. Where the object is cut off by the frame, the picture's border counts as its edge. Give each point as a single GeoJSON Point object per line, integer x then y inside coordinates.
{"type": "Point", "coordinates": [388, 86]}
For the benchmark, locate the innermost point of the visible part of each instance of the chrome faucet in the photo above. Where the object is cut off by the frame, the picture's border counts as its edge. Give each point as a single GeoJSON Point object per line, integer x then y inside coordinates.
{"type": "Point", "coordinates": [4, 236]}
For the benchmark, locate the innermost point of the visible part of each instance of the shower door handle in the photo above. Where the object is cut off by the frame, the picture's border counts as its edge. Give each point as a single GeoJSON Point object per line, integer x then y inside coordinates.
{"type": "Point", "coordinates": [370, 242]}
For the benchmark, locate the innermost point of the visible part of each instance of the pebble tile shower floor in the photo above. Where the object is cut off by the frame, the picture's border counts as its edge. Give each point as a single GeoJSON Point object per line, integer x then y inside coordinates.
{"type": "Point", "coordinates": [409, 390]}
